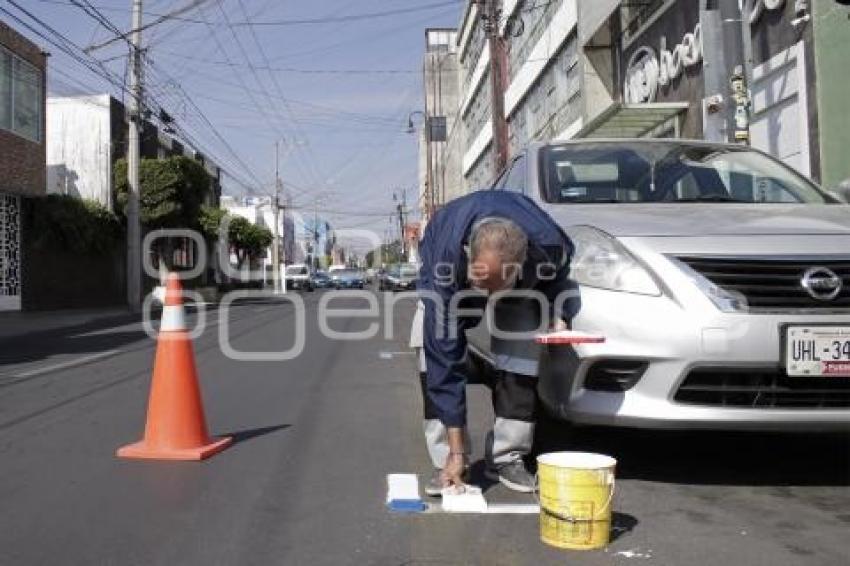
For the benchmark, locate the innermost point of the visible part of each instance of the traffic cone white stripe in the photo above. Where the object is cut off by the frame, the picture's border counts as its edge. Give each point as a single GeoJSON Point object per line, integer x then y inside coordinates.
{"type": "Point", "coordinates": [173, 319]}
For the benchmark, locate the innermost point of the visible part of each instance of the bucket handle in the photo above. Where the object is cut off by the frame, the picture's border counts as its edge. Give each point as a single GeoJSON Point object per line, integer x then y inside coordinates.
{"type": "Point", "coordinates": [567, 518]}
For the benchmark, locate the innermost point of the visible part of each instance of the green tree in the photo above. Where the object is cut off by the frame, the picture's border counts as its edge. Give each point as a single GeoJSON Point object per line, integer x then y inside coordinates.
{"type": "Point", "coordinates": [172, 193]}
{"type": "Point", "coordinates": [248, 241]}
{"type": "Point", "coordinates": [79, 226]}
{"type": "Point", "coordinates": [209, 221]}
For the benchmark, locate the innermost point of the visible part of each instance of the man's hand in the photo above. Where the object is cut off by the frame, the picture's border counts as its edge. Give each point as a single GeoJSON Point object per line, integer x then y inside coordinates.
{"type": "Point", "coordinates": [452, 474]}
{"type": "Point", "coordinates": [558, 325]}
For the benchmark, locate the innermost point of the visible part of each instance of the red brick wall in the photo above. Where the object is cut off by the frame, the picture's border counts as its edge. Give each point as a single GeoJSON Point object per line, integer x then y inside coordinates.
{"type": "Point", "coordinates": [23, 164]}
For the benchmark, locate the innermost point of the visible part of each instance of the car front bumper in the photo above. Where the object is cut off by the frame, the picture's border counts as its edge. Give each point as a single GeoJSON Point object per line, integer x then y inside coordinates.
{"type": "Point", "coordinates": [674, 342]}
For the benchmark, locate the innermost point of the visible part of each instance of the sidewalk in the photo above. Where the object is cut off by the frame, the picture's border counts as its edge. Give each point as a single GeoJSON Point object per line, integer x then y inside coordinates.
{"type": "Point", "coordinates": [16, 324]}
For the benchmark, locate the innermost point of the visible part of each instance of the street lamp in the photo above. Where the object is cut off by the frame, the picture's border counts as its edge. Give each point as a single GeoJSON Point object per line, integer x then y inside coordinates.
{"type": "Point", "coordinates": [411, 129]}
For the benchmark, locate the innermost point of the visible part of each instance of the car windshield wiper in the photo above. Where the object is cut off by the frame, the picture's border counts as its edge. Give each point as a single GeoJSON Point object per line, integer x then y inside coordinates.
{"type": "Point", "coordinates": [710, 198]}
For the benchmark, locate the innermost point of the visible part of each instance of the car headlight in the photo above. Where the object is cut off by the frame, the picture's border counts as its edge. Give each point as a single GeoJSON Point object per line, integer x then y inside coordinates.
{"type": "Point", "coordinates": [723, 299]}
{"type": "Point", "coordinates": [601, 261]}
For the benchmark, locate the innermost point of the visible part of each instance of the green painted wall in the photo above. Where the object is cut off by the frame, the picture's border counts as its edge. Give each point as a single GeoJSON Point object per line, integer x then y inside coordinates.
{"type": "Point", "coordinates": [832, 66]}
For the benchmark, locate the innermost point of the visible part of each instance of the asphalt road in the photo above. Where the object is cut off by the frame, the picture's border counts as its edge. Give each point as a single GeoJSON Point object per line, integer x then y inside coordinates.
{"type": "Point", "coordinates": [316, 436]}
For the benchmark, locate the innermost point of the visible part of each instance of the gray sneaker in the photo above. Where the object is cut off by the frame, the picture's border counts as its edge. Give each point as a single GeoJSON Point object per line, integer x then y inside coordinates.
{"type": "Point", "coordinates": [513, 476]}
{"type": "Point", "coordinates": [434, 485]}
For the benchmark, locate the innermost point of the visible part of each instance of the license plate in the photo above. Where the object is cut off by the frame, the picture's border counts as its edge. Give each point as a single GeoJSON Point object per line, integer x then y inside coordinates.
{"type": "Point", "coordinates": [817, 351]}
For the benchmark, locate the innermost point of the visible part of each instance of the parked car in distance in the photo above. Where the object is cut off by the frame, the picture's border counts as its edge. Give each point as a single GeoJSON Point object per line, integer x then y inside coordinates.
{"type": "Point", "coordinates": [719, 276]}
{"type": "Point", "coordinates": [321, 280]}
{"type": "Point", "coordinates": [347, 279]}
{"type": "Point", "coordinates": [298, 278]}
{"type": "Point", "coordinates": [399, 277]}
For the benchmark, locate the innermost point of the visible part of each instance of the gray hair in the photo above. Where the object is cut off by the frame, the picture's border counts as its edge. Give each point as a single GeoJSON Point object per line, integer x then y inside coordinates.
{"type": "Point", "coordinates": [501, 236]}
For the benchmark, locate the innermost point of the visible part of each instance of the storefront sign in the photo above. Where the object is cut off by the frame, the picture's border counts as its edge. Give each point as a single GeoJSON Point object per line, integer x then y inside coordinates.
{"type": "Point", "coordinates": [646, 71]}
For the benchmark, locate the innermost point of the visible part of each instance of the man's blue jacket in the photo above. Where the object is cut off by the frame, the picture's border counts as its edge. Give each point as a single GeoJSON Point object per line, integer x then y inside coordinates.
{"type": "Point", "coordinates": [443, 273]}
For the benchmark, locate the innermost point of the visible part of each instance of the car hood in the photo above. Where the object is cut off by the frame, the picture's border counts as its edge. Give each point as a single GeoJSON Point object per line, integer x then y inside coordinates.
{"type": "Point", "coordinates": [709, 219]}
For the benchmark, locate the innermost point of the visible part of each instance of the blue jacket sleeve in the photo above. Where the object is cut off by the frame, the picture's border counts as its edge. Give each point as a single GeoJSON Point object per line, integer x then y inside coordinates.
{"type": "Point", "coordinates": [444, 342]}
{"type": "Point", "coordinates": [444, 333]}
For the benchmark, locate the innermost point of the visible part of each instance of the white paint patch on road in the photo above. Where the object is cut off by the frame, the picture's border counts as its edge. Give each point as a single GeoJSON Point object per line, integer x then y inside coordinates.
{"type": "Point", "coordinates": [391, 355]}
{"type": "Point", "coordinates": [635, 553]}
{"type": "Point", "coordinates": [65, 365]}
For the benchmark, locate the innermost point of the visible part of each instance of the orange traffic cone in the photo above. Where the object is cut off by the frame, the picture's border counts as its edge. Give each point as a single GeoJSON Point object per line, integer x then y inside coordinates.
{"type": "Point", "coordinates": [176, 428]}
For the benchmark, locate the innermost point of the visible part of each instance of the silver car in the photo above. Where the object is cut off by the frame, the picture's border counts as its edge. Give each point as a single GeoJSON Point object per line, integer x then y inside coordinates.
{"type": "Point", "coordinates": [720, 277]}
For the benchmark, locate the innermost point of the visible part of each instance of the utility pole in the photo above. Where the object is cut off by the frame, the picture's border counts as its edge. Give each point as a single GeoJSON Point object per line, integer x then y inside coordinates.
{"type": "Point", "coordinates": [134, 231]}
{"type": "Point", "coordinates": [402, 206]}
{"type": "Point", "coordinates": [725, 38]}
{"type": "Point", "coordinates": [315, 265]}
{"type": "Point", "coordinates": [276, 232]}
{"type": "Point", "coordinates": [498, 64]}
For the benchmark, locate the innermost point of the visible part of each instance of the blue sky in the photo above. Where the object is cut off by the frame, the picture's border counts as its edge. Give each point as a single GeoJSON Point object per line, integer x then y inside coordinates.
{"type": "Point", "coordinates": [345, 138]}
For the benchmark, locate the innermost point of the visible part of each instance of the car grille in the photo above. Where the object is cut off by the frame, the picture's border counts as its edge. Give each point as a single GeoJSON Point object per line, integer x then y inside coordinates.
{"type": "Point", "coordinates": [772, 283]}
{"type": "Point", "coordinates": [762, 388]}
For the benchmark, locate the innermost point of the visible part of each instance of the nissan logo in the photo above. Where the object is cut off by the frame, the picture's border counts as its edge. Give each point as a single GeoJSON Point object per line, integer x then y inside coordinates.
{"type": "Point", "coordinates": [821, 283]}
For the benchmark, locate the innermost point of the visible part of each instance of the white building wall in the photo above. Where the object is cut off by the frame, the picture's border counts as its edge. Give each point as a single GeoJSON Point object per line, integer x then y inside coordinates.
{"type": "Point", "coordinates": [79, 146]}
{"type": "Point", "coordinates": [780, 121]}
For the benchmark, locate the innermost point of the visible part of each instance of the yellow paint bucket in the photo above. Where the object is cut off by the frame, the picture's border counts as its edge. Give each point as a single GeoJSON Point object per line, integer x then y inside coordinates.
{"type": "Point", "coordinates": [576, 494]}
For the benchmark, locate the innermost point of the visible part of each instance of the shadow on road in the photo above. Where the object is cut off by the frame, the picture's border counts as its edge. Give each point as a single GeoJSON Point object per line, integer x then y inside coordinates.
{"type": "Point", "coordinates": [622, 524]}
{"type": "Point", "coordinates": [710, 457]}
{"type": "Point", "coordinates": [248, 434]}
{"type": "Point", "coordinates": [36, 347]}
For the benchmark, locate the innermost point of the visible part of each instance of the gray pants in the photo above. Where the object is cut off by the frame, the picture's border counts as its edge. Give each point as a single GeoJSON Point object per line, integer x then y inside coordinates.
{"type": "Point", "coordinates": [508, 442]}
{"type": "Point", "coordinates": [514, 390]}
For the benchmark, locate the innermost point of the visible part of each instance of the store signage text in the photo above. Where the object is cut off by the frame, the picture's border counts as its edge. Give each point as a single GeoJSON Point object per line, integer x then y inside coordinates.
{"type": "Point", "coordinates": [646, 71]}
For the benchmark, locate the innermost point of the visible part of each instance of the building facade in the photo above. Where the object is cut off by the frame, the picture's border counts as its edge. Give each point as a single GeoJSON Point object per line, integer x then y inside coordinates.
{"type": "Point", "coordinates": [661, 68]}
{"type": "Point", "coordinates": [550, 88]}
{"type": "Point", "coordinates": [438, 137]}
{"type": "Point", "coordinates": [22, 151]}
{"type": "Point", "coordinates": [792, 54]}
{"type": "Point", "coordinates": [86, 135]}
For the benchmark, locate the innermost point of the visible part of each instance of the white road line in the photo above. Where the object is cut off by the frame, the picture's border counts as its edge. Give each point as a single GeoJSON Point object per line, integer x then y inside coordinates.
{"type": "Point", "coordinates": [65, 365]}
{"type": "Point", "coordinates": [492, 509]}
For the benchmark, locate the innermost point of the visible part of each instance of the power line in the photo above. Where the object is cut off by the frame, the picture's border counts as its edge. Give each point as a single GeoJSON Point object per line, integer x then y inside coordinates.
{"type": "Point", "coordinates": [94, 13]}
{"type": "Point", "coordinates": [298, 70]}
{"type": "Point", "coordinates": [348, 114]}
{"type": "Point", "coordinates": [350, 17]}
{"type": "Point", "coordinates": [163, 18]}
{"type": "Point", "coordinates": [311, 163]}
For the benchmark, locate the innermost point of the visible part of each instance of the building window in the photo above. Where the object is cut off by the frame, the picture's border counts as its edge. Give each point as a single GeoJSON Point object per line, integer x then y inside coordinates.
{"type": "Point", "coordinates": [20, 97]}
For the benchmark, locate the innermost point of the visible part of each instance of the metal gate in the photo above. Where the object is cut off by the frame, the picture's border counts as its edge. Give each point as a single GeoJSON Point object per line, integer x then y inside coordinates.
{"type": "Point", "coordinates": [10, 252]}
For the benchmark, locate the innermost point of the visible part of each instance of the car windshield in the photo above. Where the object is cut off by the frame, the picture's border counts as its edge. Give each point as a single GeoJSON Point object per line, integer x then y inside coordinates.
{"type": "Point", "coordinates": [669, 172]}
{"type": "Point", "coordinates": [408, 271]}
{"type": "Point", "coordinates": [296, 270]}
{"type": "Point", "coordinates": [347, 273]}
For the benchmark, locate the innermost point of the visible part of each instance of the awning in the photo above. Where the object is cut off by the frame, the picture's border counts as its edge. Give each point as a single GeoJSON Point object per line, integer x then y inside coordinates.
{"type": "Point", "coordinates": [633, 120]}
